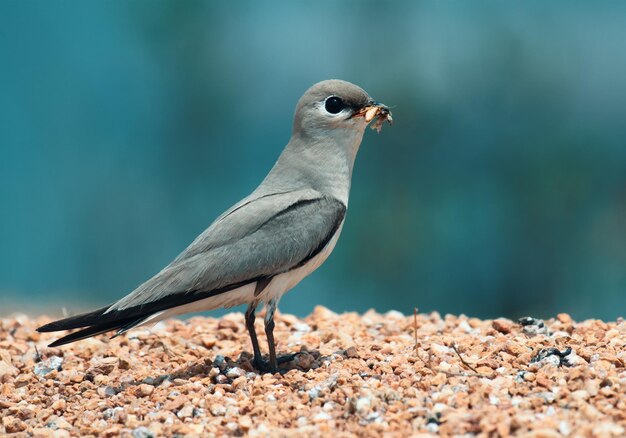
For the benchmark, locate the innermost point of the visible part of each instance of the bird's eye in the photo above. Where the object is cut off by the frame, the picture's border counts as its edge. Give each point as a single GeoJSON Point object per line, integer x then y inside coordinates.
{"type": "Point", "coordinates": [334, 104]}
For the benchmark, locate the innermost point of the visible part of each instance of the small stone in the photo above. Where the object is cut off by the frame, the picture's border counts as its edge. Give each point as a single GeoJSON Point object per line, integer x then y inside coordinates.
{"type": "Point", "coordinates": [111, 360]}
{"type": "Point", "coordinates": [77, 377]}
{"type": "Point", "coordinates": [321, 312]}
{"type": "Point", "coordinates": [53, 363]}
{"type": "Point", "coordinates": [564, 318]}
{"type": "Point", "coordinates": [59, 405]}
{"type": "Point", "coordinates": [175, 404]}
{"type": "Point", "coordinates": [7, 370]}
{"type": "Point", "coordinates": [302, 327]}
{"type": "Point", "coordinates": [106, 391]}
{"type": "Point", "coordinates": [245, 422]}
{"type": "Point", "coordinates": [502, 325]}
{"type": "Point", "coordinates": [221, 379]}
{"type": "Point", "coordinates": [288, 319]}
{"type": "Point", "coordinates": [363, 404]}
{"type": "Point", "coordinates": [352, 353]}
{"type": "Point", "coordinates": [42, 432]}
{"type": "Point", "coordinates": [208, 341]}
{"type": "Point", "coordinates": [322, 416]}
{"type": "Point", "coordinates": [533, 326]}
{"type": "Point", "coordinates": [608, 429]}
{"type": "Point", "coordinates": [144, 390]}
{"type": "Point", "coordinates": [217, 410]}
{"type": "Point", "coordinates": [432, 428]}
{"type": "Point", "coordinates": [394, 314]}
{"type": "Point", "coordinates": [220, 362]}
{"type": "Point", "coordinates": [235, 372]}
{"type": "Point", "coordinates": [61, 423]}
{"type": "Point", "coordinates": [142, 432]}
{"type": "Point", "coordinates": [552, 356]}
{"type": "Point", "coordinates": [103, 366]}
{"type": "Point", "coordinates": [228, 324]}
{"type": "Point", "coordinates": [185, 412]}
{"type": "Point", "coordinates": [113, 413]}
{"type": "Point", "coordinates": [13, 425]}
{"type": "Point", "coordinates": [22, 380]}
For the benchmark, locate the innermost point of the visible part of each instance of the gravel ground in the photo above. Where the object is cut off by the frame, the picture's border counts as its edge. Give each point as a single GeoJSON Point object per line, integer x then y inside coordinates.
{"type": "Point", "coordinates": [356, 375]}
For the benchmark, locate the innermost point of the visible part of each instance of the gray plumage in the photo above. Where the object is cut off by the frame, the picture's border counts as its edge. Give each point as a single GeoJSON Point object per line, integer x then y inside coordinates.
{"type": "Point", "coordinates": [261, 239]}
{"type": "Point", "coordinates": [266, 243]}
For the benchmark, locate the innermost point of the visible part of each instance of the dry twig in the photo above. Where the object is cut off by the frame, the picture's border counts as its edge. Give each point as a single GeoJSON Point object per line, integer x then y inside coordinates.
{"type": "Point", "coordinates": [463, 361]}
{"type": "Point", "coordinates": [428, 364]}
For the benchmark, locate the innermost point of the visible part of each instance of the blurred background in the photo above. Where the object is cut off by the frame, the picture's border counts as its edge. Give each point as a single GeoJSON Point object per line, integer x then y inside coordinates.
{"type": "Point", "coordinates": [127, 127]}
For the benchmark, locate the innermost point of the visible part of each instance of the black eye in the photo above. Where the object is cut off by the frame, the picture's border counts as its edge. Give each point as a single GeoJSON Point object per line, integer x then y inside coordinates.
{"type": "Point", "coordinates": [334, 105]}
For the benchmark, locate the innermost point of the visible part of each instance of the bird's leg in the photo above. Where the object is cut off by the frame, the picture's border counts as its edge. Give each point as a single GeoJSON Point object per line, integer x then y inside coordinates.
{"type": "Point", "coordinates": [250, 317]}
{"type": "Point", "coordinates": [265, 366]}
{"type": "Point", "coordinates": [269, 332]}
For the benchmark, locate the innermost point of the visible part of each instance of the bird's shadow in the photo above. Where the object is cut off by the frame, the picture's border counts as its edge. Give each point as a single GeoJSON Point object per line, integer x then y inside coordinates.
{"type": "Point", "coordinates": [229, 369]}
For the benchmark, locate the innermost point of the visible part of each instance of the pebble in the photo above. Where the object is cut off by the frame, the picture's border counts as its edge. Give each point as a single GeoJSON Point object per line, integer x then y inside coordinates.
{"type": "Point", "coordinates": [352, 353]}
{"type": "Point", "coordinates": [59, 405]}
{"type": "Point", "coordinates": [221, 378]}
{"type": "Point", "coordinates": [185, 412]}
{"type": "Point", "coordinates": [112, 413]}
{"type": "Point", "coordinates": [142, 432]}
{"type": "Point", "coordinates": [363, 404]}
{"type": "Point", "coordinates": [46, 366]}
{"type": "Point", "coordinates": [502, 325]}
{"type": "Point", "coordinates": [217, 410]}
{"type": "Point", "coordinates": [13, 425]}
{"type": "Point", "coordinates": [322, 416]}
{"type": "Point", "coordinates": [106, 391]}
{"type": "Point", "coordinates": [533, 326]}
{"type": "Point", "coordinates": [234, 372]}
{"type": "Point", "coordinates": [144, 390]}
{"type": "Point", "coordinates": [245, 422]}
{"type": "Point", "coordinates": [7, 370]}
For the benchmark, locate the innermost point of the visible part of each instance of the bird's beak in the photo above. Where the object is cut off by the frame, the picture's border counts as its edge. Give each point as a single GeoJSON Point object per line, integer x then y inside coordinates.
{"type": "Point", "coordinates": [376, 111]}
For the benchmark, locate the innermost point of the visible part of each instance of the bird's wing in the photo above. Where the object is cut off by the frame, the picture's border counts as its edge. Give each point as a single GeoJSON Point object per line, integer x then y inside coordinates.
{"type": "Point", "coordinates": [255, 241]}
{"type": "Point", "coordinates": [263, 238]}
{"type": "Point", "coordinates": [243, 219]}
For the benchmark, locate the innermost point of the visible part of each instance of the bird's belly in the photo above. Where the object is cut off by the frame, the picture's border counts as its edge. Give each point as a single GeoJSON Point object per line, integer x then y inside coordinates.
{"type": "Point", "coordinates": [235, 297]}
{"type": "Point", "coordinates": [282, 283]}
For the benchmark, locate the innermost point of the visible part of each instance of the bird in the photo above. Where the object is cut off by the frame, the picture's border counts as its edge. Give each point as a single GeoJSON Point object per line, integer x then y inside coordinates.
{"type": "Point", "coordinates": [269, 241]}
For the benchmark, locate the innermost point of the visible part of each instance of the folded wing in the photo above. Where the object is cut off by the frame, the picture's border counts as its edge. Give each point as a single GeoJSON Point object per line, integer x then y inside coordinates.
{"type": "Point", "coordinates": [255, 240]}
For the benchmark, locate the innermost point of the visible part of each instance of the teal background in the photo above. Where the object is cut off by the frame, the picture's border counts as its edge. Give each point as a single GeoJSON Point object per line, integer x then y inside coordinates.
{"type": "Point", "coordinates": [127, 127]}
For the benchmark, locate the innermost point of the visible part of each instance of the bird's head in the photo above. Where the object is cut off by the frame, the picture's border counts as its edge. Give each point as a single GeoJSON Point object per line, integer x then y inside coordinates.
{"type": "Point", "coordinates": [332, 107]}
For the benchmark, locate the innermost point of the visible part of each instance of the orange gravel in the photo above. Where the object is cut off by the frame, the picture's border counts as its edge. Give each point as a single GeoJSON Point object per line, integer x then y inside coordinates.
{"type": "Point", "coordinates": [357, 375]}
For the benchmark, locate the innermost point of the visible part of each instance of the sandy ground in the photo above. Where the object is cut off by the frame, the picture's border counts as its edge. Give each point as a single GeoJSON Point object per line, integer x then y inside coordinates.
{"type": "Point", "coordinates": [356, 375]}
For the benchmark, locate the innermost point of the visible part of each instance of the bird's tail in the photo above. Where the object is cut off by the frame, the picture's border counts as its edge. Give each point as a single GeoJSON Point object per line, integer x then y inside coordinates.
{"type": "Point", "coordinates": [92, 324]}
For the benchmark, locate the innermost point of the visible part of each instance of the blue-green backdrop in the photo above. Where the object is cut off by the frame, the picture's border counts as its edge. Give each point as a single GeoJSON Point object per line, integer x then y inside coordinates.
{"type": "Point", "coordinates": [127, 127]}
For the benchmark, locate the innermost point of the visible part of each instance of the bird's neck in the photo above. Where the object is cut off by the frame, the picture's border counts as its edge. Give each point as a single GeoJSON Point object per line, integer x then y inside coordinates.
{"type": "Point", "coordinates": [324, 164]}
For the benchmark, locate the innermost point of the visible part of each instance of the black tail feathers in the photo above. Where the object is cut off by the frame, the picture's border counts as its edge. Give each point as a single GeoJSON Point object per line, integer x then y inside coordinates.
{"type": "Point", "coordinates": [76, 321]}
{"type": "Point", "coordinates": [96, 322]}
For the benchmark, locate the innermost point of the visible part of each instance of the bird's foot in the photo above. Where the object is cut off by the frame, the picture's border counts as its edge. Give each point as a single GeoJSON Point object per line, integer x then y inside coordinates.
{"type": "Point", "coordinates": [265, 366]}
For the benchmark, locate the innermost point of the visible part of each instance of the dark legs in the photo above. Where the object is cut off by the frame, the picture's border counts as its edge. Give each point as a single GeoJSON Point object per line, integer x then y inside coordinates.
{"type": "Point", "coordinates": [258, 362]}
{"type": "Point", "coordinates": [269, 332]}
{"type": "Point", "coordinates": [250, 317]}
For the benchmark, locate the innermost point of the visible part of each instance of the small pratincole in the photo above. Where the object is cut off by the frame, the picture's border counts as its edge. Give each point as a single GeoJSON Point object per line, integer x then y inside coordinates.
{"type": "Point", "coordinates": [266, 243]}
